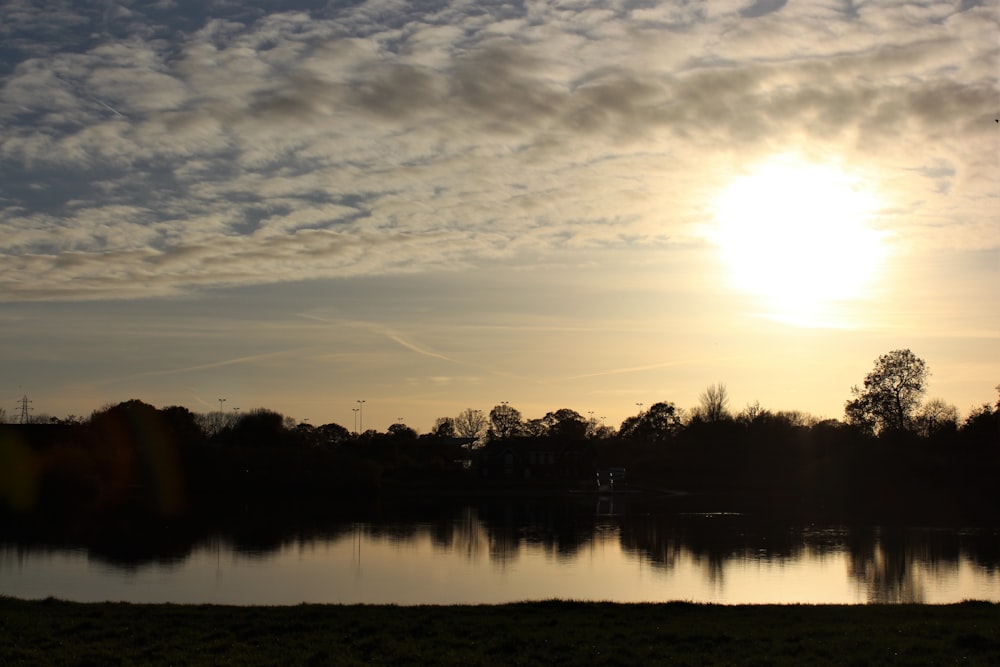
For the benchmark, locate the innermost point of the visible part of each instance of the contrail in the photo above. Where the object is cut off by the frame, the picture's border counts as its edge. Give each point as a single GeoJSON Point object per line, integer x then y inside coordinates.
{"type": "Point", "coordinates": [399, 340]}
{"type": "Point", "coordinates": [110, 108]}
{"type": "Point", "coordinates": [384, 331]}
{"type": "Point", "coordinates": [631, 369]}
{"type": "Point", "coordinates": [80, 90]}
{"type": "Point", "coordinates": [218, 364]}
{"type": "Point", "coordinates": [416, 348]}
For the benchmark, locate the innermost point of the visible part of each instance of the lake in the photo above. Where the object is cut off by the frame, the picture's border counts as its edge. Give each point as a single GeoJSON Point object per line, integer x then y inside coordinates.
{"type": "Point", "coordinates": [594, 548]}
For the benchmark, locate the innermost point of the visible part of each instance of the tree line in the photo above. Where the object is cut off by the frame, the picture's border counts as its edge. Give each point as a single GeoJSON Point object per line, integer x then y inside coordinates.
{"type": "Point", "coordinates": [888, 403]}
{"type": "Point", "coordinates": [891, 446]}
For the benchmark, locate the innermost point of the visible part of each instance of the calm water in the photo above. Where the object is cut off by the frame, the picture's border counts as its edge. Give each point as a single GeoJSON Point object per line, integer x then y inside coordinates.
{"type": "Point", "coordinates": [529, 551]}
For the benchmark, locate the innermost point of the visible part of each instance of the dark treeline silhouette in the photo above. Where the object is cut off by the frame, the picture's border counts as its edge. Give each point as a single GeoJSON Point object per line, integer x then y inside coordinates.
{"type": "Point", "coordinates": [139, 466]}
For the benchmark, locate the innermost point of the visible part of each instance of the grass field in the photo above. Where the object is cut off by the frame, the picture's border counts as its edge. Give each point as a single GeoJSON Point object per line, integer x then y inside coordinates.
{"type": "Point", "coordinates": [53, 632]}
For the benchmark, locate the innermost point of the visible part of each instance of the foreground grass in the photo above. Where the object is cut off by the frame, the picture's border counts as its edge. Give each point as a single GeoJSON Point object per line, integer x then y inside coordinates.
{"type": "Point", "coordinates": [53, 632]}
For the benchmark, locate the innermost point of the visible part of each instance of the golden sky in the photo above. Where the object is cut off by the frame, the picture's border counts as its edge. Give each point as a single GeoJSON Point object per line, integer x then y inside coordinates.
{"type": "Point", "coordinates": [439, 205]}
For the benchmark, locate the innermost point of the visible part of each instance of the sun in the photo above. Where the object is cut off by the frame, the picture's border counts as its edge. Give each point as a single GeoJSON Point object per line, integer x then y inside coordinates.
{"type": "Point", "coordinates": [798, 236]}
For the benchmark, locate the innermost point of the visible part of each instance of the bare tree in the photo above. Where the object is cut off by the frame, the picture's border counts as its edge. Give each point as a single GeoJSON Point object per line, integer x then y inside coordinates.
{"type": "Point", "coordinates": [470, 423]}
{"type": "Point", "coordinates": [713, 404]}
{"type": "Point", "coordinates": [212, 423]}
{"type": "Point", "coordinates": [752, 413]}
{"type": "Point", "coordinates": [934, 417]}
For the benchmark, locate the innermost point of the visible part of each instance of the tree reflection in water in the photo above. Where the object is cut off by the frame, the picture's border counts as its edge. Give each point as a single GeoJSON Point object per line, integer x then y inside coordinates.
{"type": "Point", "coordinates": [885, 560]}
{"type": "Point", "coordinates": [888, 563]}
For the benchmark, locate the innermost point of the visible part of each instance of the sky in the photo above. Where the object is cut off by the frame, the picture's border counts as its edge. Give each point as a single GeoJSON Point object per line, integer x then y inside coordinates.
{"type": "Point", "coordinates": [437, 205]}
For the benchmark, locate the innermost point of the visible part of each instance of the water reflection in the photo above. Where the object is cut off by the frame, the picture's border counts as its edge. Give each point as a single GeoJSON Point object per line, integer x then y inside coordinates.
{"type": "Point", "coordinates": [897, 565]}
{"type": "Point", "coordinates": [512, 550]}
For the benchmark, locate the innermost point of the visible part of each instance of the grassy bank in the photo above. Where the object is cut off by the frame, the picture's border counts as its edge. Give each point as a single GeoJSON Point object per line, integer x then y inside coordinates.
{"type": "Point", "coordinates": [545, 633]}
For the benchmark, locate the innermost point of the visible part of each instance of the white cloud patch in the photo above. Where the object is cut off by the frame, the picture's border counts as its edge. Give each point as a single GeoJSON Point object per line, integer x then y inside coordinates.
{"type": "Point", "coordinates": [160, 150]}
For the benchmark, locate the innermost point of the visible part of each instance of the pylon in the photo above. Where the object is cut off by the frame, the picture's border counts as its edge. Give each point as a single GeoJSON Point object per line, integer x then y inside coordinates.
{"type": "Point", "coordinates": [25, 409]}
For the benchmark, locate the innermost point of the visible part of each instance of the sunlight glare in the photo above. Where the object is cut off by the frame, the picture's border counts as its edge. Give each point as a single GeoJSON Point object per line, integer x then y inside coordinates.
{"type": "Point", "coordinates": [797, 235]}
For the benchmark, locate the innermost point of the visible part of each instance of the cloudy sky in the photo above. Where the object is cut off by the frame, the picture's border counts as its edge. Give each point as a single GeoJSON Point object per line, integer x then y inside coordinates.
{"type": "Point", "coordinates": [432, 204]}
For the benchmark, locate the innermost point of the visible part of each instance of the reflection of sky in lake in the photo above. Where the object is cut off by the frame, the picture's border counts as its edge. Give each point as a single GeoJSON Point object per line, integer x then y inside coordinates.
{"type": "Point", "coordinates": [472, 565]}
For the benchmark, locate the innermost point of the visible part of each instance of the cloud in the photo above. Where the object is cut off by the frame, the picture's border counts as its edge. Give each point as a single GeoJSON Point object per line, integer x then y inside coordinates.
{"type": "Point", "coordinates": [175, 148]}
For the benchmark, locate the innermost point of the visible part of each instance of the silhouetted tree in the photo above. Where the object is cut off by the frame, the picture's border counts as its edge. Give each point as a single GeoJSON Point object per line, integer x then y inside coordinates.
{"type": "Point", "coordinates": [213, 423]}
{"type": "Point", "coordinates": [982, 426]}
{"type": "Point", "coordinates": [369, 435]}
{"type": "Point", "coordinates": [751, 413]}
{"type": "Point", "coordinates": [891, 393]}
{"type": "Point", "coordinates": [305, 434]}
{"type": "Point", "coordinates": [134, 448]}
{"type": "Point", "coordinates": [402, 432]}
{"type": "Point", "coordinates": [713, 404]}
{"type": "Point", "coordinates": [935, 417]}
{"type": "Point", "coordinates": [599, 431]}
{"type": "Point", "coordinates": [565, 424]}
{"type": "Point", "coordinates": [505, 420]}
{"type": "Point", "coordinates": [183, 424]}
{"type": "Point", "coordinates": [444, 427]}
{"type": "Point", "coordinates": [534, 428]}
{"type": "Point", "coordinates": [471, 423]}
{"type": "Point", "coordinates": [43, 418]}
{"type": "Point", "coordinates": [332, 434]}
{"type": "Point", "coordinates": [258, 427]}
{"type": "Point", "coordinates": [658, 424]}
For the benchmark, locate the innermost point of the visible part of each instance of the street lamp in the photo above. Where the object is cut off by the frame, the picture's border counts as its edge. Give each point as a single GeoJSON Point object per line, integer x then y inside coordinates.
{"type": "Point", "coordinates": [361, 414]}
{"type": "Point", "coordinates": [640, 407]}
{"type": "Point", "coordinates": [355, 411]}
{"type": "Point", "coordinates": [221, 401]}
